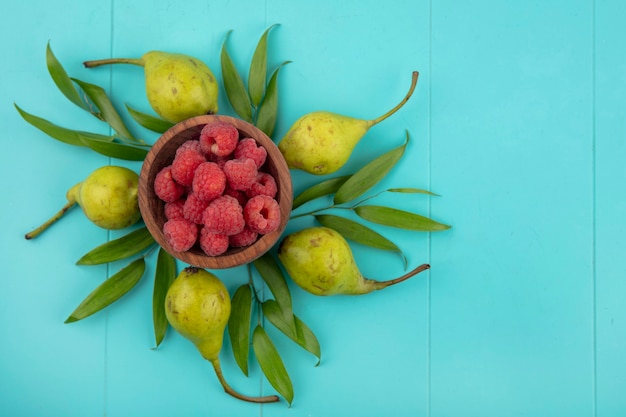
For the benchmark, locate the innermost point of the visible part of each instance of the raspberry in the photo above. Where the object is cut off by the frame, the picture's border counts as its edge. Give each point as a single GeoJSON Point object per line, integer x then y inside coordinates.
{"type": "Point", "coordinates": [174, 210]}
{"type": "Point", "coordinates": [262, 214]}
{"type": "Point", "coordinates": [185, 164]}
{"type": "Point", "coordinates": [190, 144]}
{"type": "Point", "coordinates": [224, 216]}
{"type": "Point", "coordinates": [265, 184]}
{"type": "Point", "coordinates": [180, 234]}
{"type": "Point", "coordinates": [209, 181]}
{"type": "Point", "coordinates": [193, 208]}
{"type": "Point", "coordinates": [238, 194]}
{"type": "Point", "coordinates": [219, 138]}
{"type": "Point", "coordinates": [165, 187]}
{"type": "Point", "coordinates": [240, 173]}
{"type": "Point", "coordinates": [213, 244]}
{"type": "Point", "coordinates": [248, 148]}
{"type": "Point", "coordinates": [244, 238]}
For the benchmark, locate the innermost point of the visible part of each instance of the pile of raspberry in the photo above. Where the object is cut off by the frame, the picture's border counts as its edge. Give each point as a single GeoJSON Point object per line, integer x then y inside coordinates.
{"type": "Point", "coordinates": [216, 192]}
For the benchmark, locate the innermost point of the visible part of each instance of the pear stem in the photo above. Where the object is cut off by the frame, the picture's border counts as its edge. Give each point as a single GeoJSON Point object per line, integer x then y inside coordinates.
{"type": "Point", "coordinates": [49, 222]}
{"type": "Point", "coordinates": [406, 98]}
{"type": "Point", "coordinates": [98, 62]}
{"type": "Point", "coordinates": [220, 376]}
{"type": "Point", "coordinates": [384, 284]}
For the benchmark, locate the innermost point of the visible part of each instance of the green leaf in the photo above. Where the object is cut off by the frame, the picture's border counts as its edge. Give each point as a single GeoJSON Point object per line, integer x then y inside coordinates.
{"type": "Point", "coordinates": [258, 70]}
{"type": "Point", "coordinates": [239, 326]}
{"type": "Point", "coordinates": [109, 291]}
{"type": "Point", "coordinates": [156, 124]}
{"type": "Point", "coordinates": [273, 276]}
{"type": "Point", "coordinates": [359, 233]}
{"type": "Point", "coordinates": [116, 150]}
{"type": "Point", "coordinates": [120, 248]}
{"type": "Point", "coordinates": [164, 275]}
{"type": "Point", "coordinates": [268, 112]}
{"type": "Point", "coordinates": [399, 218]}
{"type": "Point", "coordinates": [302, 335]}
{"type": "Point", "coordinates": [71, 137]}
{"type": "Point", "coordinates": [108, 113]}
{"type": "Point", "coordinates": [235, 90]}
{"type": "Point", "coordinates": [411, 191]}
{"type": "Point", "coordinates": [369, 175]}
{"type": "Point", "coordinates": [321, 189]}
{"type": "Point", "coordinates": [271, 363]}
{"type": "Point", "coordinates": [63, 81]}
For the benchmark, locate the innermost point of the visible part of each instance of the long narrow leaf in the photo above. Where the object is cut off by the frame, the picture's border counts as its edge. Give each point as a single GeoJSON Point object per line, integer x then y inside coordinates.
{"type": "Point", "coordinates": [239, 326]}
{"type": "Point", "coordinates": [271, 364]}
{"type": "Point", "coordinates": [120, 248]}
{"type": "Point", "coordinates": [273, 276]}
{"type": "Point", "coordinates": [156, 124]}
{"type": "Point", "coordinates": [320, 189]}
{"type": "Point", "coordinates": [62, 80]}
{"type": "Point", "coordinates": [164, 275]}
{"type": "Point", "coordinates": [369, 175]}
{"type": "Point", "coordinates": [233, 85]}
{"type": "Point", "coordinates": [410, 190]}
{"type": "Point", "coordinates": [109, 291]}
{"type": "Point", "coordinates": [399, 218]}
{"type": "Point", "coordinates": [258, 70]}
{"type": "Point", "coordinates": [268, 112]}
{"type": "Point", "coordinates": [116, 150]}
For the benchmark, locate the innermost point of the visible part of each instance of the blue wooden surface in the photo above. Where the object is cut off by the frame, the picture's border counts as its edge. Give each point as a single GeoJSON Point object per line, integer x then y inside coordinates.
{"type": "Point", "coordinates": [517, 121]}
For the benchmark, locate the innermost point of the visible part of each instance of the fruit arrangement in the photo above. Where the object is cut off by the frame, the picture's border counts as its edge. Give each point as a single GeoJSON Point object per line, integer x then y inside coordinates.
{"type": "Point", "coordinates": [216, 195]}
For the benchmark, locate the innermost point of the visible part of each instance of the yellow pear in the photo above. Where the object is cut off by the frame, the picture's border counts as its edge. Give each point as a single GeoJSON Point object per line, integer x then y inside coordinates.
{"type": "Point", "coordinates": [178, 86]}
{"type": "Point", "coordinates": [321, 142]}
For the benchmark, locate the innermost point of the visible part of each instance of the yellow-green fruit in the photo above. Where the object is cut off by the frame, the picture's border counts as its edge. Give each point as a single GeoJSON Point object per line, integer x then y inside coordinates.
{"type": "Point", "coordinates": [321, 262]}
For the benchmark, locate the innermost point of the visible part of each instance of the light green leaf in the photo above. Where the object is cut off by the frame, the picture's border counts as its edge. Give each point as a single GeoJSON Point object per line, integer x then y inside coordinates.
{"type": "Point", "coordinates": [271, 364]}
{"type": "Point", "coordinates": [239, 326]}
{"type": "Point", "coordinates": [109, 291]}
{"type": "Point", "coordinates": [63, 81]}
{"type": "Point", "coordinates": [369, 175]}
{"type": "Point", "coordinates": [268, 112]}
{"type": "Point", "coordinates": [156, 124]}
{"type": "Point", "coordinates": [409, 190]}
{"type": "Point", "coordinates": [120, 248]}
{"type": "Point", "coordinates": [116, 150]}
{"type": "Point", "coordinates": [258, 70]}
{"type": "Point", "coordinates": [164, 275]}
{"type": "Point", "coordinates": [273, 276]}
{"type": "Point", "coordinates": [233, 85]}
{"type": "Point", "coordinates": [320, 189]}
{"type": "Point", "coordinates": [399, 218]}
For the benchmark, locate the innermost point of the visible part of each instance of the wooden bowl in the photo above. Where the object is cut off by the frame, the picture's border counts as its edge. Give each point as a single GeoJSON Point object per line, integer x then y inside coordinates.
{"type": "Point", "coordinates": [162, 155]}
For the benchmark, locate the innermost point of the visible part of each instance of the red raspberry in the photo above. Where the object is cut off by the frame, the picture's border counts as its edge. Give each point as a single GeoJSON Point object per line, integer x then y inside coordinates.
{"type": "Point", "coordinates": [244, 238]}
{"type": "Point", "coordinates": [193, 208]}
{"type": "Point", "coordinates": [190, 144]}
{"type": "Point", "coordinates": [174, 210]}
{"type": "Point", "coordinates": [240, 173]}
{"type": "Point", "coordinates": [165, 187]}
{"type": "Point", "coordinates": [185, 164]}
{"type": "Point", "coordinates": [209, 181]}
{"type": "Point", "coordinates": [213, 244]}
{"type": "Point", "coordinates": [219, 138]}
{"type": "Point", "coordinates": [238, 194]}
{"type": "Point", "coordinates": [180, 234]}
{"type": "Point", "coordinates": [224, 216]}
{"type": "Point", "coordinates": [262, 214]}
{"type": "Point", "coordinates": [265, 184]}
{"type": "Point", "coordinates": [248, 148]}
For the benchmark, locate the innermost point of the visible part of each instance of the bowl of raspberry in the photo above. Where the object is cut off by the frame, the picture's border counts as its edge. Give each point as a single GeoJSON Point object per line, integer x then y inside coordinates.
{"type": "Point", "coordinates": [215, 192]}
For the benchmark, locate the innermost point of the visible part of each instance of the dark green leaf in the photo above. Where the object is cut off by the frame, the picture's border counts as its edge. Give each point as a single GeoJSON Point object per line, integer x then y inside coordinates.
{"type": "Point", "coordinates": [120, 248]}
{"type": "Point", "coordinates": [62, 80]}
{"type": "Point", "coordinates": [258, 70]}
{"type": "Point", "coordinates": [271, 363]}
{"type": "Point", "coordinates": [369, 175]}
{"type": "Point", "coordinates": [164, 275]}
{"type": "Point", "coordinates": [71, 137]}
{"type": "Point", "coordinates": [399, 218]}
{"type": "Point", "coordinates": [239, 326]}
{"type": "Point", "coordinates": [273, 276]}
{"type": "Point", "coordinates": [235, 90]}
{"type": "Point", "coordinates": [108, 113]}
{"type": "Point", "coordinates": [156, 124]}
{"type": "Point", "coordinates": [411, 191]}
{"type": "Point", "coordinates": [302, 335]}
{"type": "Point", "coordinates": [323, 188]}
{"type": "Point", "coordinates": [109, 291]}
{"type": "Point", "coordinates": [359, 233]}
{"type": "Point", "coordinates": [116, 150]}
{"type": "Point", "coordinates": [266, 117]}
